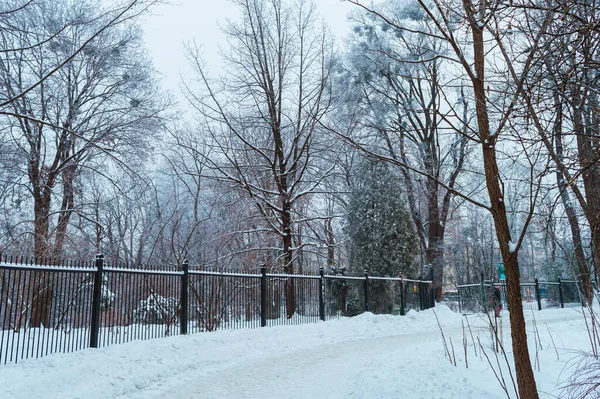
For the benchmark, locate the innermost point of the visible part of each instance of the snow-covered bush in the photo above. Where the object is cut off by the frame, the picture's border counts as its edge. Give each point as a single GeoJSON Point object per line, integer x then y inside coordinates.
{"type": "Point", "coordinates": [108, 297]}
{"type": "Point", "coordinates": [381, 236]}
{"type": "Point", "coordinates": [156, 309]}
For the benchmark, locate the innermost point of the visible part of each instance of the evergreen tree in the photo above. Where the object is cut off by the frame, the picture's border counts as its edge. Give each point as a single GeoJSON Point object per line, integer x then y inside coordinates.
{"type": "Point", "coordinates": [381, 236]}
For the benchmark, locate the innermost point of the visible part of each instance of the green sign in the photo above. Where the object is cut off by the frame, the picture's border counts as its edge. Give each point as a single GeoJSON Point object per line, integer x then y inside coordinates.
{"type": "Point", "coordinates": [501, 273]}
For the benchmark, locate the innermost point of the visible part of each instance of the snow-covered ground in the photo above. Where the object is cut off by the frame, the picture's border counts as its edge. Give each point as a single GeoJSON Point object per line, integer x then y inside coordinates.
{"type": "Point", "coordinates": [366, 356]}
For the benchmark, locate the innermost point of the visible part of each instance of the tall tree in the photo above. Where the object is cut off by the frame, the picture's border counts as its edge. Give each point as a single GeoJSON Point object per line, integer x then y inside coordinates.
{"type": "Point", "coordinates": [566, 86]}
{"type": "Point", "coordinates": [396, 80]}
{"type": "Point", "coordinates": [262, 118]}
{"type": "Point", "coordinates": [78, 101]}
{"type": "Point", "coordinates": [99, 104]}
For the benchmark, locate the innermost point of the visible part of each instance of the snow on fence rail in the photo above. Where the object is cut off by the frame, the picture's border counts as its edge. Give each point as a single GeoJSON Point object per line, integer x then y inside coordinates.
{"type": "Point", "coordinates": [50, 308]}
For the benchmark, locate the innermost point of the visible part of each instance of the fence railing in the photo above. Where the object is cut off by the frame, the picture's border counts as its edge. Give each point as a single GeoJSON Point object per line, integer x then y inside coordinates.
{"type": "Point", "coordinates": [47, 308]}
{"type": "Point", "coordinates": [536, 295]}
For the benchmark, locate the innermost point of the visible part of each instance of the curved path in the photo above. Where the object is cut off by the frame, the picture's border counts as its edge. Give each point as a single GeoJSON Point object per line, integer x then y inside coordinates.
{"type": "Point", "coordinates": [389, 367]}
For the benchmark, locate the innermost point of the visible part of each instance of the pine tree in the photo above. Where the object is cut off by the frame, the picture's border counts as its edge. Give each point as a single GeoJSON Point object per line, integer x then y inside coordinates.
{"type": "Point", "coordinates": [381, 236]}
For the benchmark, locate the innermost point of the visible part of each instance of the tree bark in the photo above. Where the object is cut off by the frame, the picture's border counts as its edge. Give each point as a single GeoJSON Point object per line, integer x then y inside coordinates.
{"type": "Point", "coordinates": [588, 160]}
{"type": "Point", "coordinates": [330, 241]}
{"type": "Point", "coordinates": [42, 289]}
{"type": "Point", "coordinates": [66, 210]}
{"type": "Point", "coordinates": [584, 272]}
{"type": "Point", "coordinates": [288, 259]}
{"type": "Point", "coordinates": [525, 377]}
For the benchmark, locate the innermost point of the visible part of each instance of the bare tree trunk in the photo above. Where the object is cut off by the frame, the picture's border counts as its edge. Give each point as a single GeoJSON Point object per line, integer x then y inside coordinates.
{"type": "Point", "coordinates": [431, 238]}
{"type": "Point", "coordinates": [288, 261]}
{"type": "Point", "coordinates": [330, 240]}
{"type": "Point", "coordinates": [42, 289]}
{"type": "Point", "coordinates": [435, 235]}
{"type": "Point", "coordinates": [524, 371]}
{"type": "Point", "coordinates": [590, 175]}
{"type": "Point", "coordinates": [525, 378]}
{"type": "Point", "coordinates": [584, 272]}
{"type": "Point", "coordinates": [66, 209]}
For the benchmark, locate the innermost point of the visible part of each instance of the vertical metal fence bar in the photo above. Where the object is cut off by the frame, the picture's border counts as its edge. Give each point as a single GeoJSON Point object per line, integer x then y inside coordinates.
{"type": "Point", "coordinates": [263, 296]}
{"type": "Point", "coordinates": [61, 338]}
{"type": "Point", "coordinates": [138, 294]}
{"type": "Point", "coordinates": [322, 294]}
{"type": "Point", "coordinates": [421, 299]}
{"type": "Point", "coordinates": [88, 311]}
{"type": "Point", "coordinates": [72, 307]}
{"type": "Point", "coordinates": [87, 318]}
{"type": "Point", "coordinates": [3, 289]}
{"type": "Point", "coordinates": [69, 314]}
{"type": "Point", "coordinates": [128, 327]}
{"type": "Point", "coordinates": [560, 293]}
{"type": "Point", "coordinates": [6, 322]}
{"type": "Point", "coordinates": [402, 298]}
{"type": "Point", "coordinates": [66, 284]}
{"type": "Point", "coordinates": [97, 298]}
{"type": "Point", "coordinates": [201, 303]}
{"type": "Point", "coordinates": [81, 322]}
{"type": "Point", "coordinates": [49, 335]}
{"type": "Point", "coordinates": [226, 304]}
{"type": "Point", "coordinates": [537, 294]}
{"type": "Point", "coordinates": [107, 319]}
{"type": "Point", "coordinates": [29, 329]}
{"type": "Point", "coordinates": [366, 291]}
{"type": "Point", "coordinates": [17, 327]}
{"type": "Point", "coordinates": [12, 345]}
{"type": "Point", "coordinates": [198, 302]}
{"type": "Point", "coordinates": [72, 300]}
{"type": "Point", "coordinates": [61, 285]}
{"type": "Point", "coordinates": [6, 319]}
{"type": "Point", "coordinates": [19, 295]}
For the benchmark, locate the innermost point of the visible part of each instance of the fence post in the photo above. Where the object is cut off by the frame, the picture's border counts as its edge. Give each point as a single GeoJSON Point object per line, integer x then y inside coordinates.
{"type": "Point", "coordinates": [366, 289]}
{"type": "Point", "coordinates": [402, 299]}
{"type": "Point", "coordinates": [421, 298]}
{"type": "Point", "coordinates": [263, 296]}
{"type": "Point", "coordinates": [96, 302]}
{"type": "Point", "coordinates": [560, 293]}
{"type": "Point", "coordinates": [185, 283]}
{"type": "Point", "coordinates": [483, 293]}
{"type": "Point", "coordinates": [537, 294]}
{"type": "Point", "coordinates": [322, 293]}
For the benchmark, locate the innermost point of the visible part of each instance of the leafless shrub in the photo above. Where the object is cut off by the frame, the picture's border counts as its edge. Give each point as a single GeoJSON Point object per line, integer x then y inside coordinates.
{"type": "Point", "coordinates": [584, 381]}
{"type": "Point", "coordinates": [446, 350]}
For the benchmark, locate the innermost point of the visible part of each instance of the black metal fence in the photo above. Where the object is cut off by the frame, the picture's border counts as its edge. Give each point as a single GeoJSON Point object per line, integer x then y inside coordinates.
{"type": "Point", "coordinates": [536, 295]}
{"type": "Point", "coordinates": [47, 308]}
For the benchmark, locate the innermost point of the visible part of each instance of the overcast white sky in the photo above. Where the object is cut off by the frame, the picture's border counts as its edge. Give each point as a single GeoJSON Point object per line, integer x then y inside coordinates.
{"type": "Point", "coordinates": [171, 26]}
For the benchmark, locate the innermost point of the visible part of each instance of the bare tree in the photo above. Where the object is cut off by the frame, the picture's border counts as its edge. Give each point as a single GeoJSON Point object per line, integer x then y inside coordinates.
{"type": "Point", "coordinates": [98, 103]}
{"type": "Point", "coordinates": [75, 101]}
{"type": "Point", "coordinates": [261, 120]}
{"type": "Point", "coordinates": [565, 85]}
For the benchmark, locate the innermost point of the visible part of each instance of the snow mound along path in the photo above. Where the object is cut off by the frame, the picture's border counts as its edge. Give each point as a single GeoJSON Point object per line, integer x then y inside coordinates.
{"type": "Point", "coordinates": [122, 370]}
{"type": "Point", "coordinates": [368, 356]}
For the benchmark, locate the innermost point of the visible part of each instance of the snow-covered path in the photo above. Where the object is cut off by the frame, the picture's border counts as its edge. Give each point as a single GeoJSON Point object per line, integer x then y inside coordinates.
{"type": "Point", "coordinates": [388, 367]}
{"type": "Point", "coordinates": [366, 356]}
